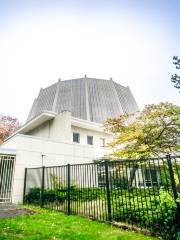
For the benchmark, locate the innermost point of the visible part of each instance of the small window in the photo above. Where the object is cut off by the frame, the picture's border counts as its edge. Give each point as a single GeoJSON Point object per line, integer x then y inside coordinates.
{"type": "Point", "coordinates": [76, 137]}
{"type": "Point", "coordinates": [90, 140]}
{"type": "Point", "coordinates": [150, 177]}
{"type": "Point", "coordinates": [102, 142]}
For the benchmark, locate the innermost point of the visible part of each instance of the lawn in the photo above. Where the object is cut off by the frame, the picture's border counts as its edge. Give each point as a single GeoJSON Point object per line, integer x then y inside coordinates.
{"type": "Point", "coordinates": [49, 224]}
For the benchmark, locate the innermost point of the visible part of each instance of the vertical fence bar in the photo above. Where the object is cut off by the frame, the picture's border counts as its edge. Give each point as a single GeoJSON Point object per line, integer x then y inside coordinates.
{"type": "Point", "coordinates": [42, 188]}
{"type": "Point", "coordinates": [24, 189]}
{"type": "Point", "coordinates": [68, 189]}
{"type": "Point", "coordinates": [174, 188]}
{"type": "Point", "coordinates": [108, 190]}
{"type": "Point", "coordinates": [171, 172]}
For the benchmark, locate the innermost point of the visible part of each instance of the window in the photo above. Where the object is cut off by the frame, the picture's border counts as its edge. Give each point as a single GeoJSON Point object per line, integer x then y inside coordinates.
{"type": "Point", "coordinates": [102, 142]}
{"type": "Point", "coordinates": [90, 140]}
{"type": "Point", "coordinates": [150, 177]}
{"type": "Point", "coordinates": [76, 137]}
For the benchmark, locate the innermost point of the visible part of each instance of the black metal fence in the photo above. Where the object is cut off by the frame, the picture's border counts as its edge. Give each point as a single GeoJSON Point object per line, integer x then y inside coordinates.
{"type": "Point", "coordinates": [139, 193]}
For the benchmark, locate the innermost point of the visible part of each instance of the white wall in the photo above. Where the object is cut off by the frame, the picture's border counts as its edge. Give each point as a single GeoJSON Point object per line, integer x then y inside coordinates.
{"type": "Point", "coordinates": [60, 128]}
{"type": "Point", "coordinates": [41, 131]}
{"type": "Point", "coordinates": [57, 129]}
{"type": "Point", "coordinates": [99, 151]}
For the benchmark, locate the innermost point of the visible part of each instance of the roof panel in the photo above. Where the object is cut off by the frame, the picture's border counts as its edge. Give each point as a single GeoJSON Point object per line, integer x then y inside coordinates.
{"type": "Point", "coordinates": [87, 98]}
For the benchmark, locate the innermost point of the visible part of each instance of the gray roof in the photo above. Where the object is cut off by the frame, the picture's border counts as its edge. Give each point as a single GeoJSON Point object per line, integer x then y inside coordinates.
{"type": "Point", "coordinates": [87, 98]}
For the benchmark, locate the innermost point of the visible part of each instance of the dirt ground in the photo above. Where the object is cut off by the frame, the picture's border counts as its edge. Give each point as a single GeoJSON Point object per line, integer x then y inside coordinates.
{"type": "Point", "coordinates": [8, 210]}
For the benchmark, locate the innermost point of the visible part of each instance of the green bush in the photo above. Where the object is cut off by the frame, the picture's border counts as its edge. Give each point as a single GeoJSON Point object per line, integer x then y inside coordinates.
{"type": "Point", "coordinates": [121, 183]}
{"type": "Point", "coordinates": [155, 210]}
{"type": "Point", "coordinates": [60, 195]}
{"type": "Point", "coordinates": [33, 196]}
{"type": "Point", "coordinates": [85, 194]}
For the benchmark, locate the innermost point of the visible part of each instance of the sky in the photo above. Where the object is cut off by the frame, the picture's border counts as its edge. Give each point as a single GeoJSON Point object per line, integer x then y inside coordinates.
{"type": "Point", "coordinates": [132, 41]}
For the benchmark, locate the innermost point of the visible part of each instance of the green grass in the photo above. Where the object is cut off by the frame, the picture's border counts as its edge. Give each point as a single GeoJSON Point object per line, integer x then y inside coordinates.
{"type": "Point", "coordinates": [48, 224]}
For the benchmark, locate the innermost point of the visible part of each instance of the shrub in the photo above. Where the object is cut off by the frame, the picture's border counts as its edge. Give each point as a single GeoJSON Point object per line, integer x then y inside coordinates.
{"type": "Point", "coordinates": [155, 210]}
{"type": "Point", "coordinates": [33, 196]}
{"type": "Point", "coordinates": [85, 194]}
{"type": "Point", "coordinates": [60, 195]}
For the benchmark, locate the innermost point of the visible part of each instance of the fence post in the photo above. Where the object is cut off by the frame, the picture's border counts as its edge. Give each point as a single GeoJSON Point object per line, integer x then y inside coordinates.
{"type": "Point", "coordinates": [24, 189]}
{"type": "Point", "coordinates": [42, 188]}
{"type": "Point", "coordinates": [68, 190]}
{"type": "Point", "coordinates": [171, 172]}
{"type": "Point", "coordinates": [174, 187]}
{"type": "Point", "coordinates": [106, 162]}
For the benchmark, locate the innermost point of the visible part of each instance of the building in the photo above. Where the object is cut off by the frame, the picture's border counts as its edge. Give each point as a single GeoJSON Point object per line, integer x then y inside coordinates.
{"type": "Point", "coordinates": [65, 125]}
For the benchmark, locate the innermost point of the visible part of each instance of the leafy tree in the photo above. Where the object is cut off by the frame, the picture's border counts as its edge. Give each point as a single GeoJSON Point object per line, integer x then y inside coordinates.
{"type": "Point", "coordinates": [153, 132]}
{"type": "Point", "coordinates": [176, 78]}
{"type": "Point", "coordinates": [8, 125]}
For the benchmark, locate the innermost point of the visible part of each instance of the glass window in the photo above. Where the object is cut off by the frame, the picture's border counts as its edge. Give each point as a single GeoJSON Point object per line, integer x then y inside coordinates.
{"type": "Point", "coordinates": [76, 137]}
{"type": "Point", "coordinates": [102, 142]}
{"type": "Point", "coordinates": [150, 177]}
{"type": "Point", "coordinates": [90, 140]}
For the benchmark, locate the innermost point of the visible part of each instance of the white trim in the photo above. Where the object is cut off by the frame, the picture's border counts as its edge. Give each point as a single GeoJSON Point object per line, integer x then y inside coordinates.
{"type": "Point", "coordinates": [8, 151]}
{"type": "Point", "coordinates": [98, 127]}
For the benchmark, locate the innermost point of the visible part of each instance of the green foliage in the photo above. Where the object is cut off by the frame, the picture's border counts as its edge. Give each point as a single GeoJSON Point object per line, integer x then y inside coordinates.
{"type": "Point", "coordinates": [153, 209]}
{"type": "Point", "coordinates": [121, 183]}
{"type": "Point", "coordinates": [60, 195]}
{"type": "Point", "coordinates": [153, 132]}
{"type": "Point", "coordinates": [165, 175]}
{"type": "Point", "coordinates": [168, 206]}
{"type": "Point", "coordinates": [84, 194]}
{"type": "Point", "coordinates": [33, 196]}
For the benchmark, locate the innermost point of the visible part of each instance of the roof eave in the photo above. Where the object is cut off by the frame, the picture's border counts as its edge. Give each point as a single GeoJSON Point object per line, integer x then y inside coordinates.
{"type": "Point", "coordinates": [77, 122]}
{"type": "Point", "coordinates": [35, 122]}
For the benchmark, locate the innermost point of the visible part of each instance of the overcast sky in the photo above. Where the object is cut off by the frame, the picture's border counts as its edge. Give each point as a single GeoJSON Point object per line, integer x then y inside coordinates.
{"type": "Point", "coordinates": [132, 41]}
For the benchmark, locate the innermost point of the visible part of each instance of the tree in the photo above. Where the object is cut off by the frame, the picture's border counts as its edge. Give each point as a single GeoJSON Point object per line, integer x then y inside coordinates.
{"type": "Point", "coordinates": [153, 132]}
{"type": "Point", "coordinates": [176, 78]}
{"type": "Point", "coordinates": [8, 125]}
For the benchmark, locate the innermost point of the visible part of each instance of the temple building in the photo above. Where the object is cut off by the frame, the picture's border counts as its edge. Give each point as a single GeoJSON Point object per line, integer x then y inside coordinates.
{"type": "Point", "coordinates": [65, 125]}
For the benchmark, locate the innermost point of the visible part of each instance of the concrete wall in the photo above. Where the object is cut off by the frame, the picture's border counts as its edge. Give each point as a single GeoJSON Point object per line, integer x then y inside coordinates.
{"type": "Point", "coordinates": [57, 129]}
{"type": "Point", "coordinates": [41, 131]}
{"type": "Point", "coordinates": [60, 127]}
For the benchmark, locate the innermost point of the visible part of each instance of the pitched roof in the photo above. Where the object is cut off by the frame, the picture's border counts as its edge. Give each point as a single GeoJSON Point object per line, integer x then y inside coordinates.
{"type": "Point", "coordinates": [90, 99]}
